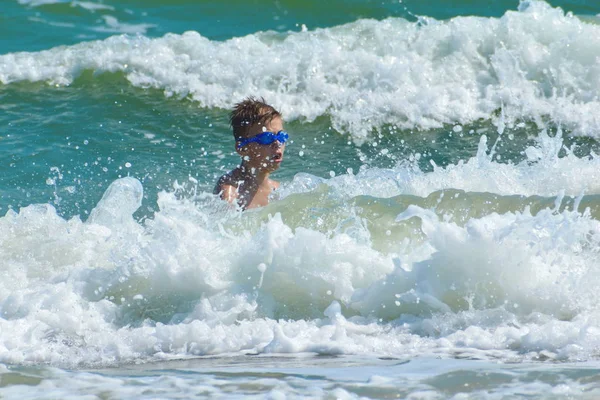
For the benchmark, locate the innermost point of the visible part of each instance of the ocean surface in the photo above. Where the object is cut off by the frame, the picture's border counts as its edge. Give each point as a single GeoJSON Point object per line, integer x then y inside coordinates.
{"type": "Point", "coordinates": [436, 234]}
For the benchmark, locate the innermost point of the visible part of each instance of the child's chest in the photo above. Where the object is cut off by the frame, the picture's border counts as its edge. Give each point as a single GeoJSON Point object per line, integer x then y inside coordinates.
{"type": "Point", "coordinates": [259, 197]}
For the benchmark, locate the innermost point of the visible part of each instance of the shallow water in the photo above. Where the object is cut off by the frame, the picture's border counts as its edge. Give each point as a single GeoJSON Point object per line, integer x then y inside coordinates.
{"type": "Point", "coordinates": [306, 376]}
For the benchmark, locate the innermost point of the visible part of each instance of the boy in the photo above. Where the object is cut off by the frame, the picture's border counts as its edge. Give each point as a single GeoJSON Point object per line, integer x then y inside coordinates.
{"type": "Point", "coordinates": [260, 141]}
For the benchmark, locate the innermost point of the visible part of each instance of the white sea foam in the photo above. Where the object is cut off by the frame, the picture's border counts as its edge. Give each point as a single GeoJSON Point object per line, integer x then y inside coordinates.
{"type": "Point", "coordinates": [88, 5]}
{"type": "Point", "coordinates": [36, 3]}
{"type": "Point", "coordinates": [534, 63]}
{"type": "Point", "coordinates": [113, 25]}
{"type": "Point", "coordinates": [199, 280]}
{"type": "Point", "coordinates": [91, 6]}
{"type": "Point", "coordinates": [543, 173]}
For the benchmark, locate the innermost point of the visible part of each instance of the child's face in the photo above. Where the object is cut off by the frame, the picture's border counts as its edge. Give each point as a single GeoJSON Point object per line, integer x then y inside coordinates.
{"type": "Point", "coordinates": [265, 157]}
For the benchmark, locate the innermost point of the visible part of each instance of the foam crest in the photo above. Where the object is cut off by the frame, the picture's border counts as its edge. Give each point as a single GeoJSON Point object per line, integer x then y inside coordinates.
{"type": "Point", "coordinates": [198, 279]}
{"type": "Point", "coordinates": [122, 198]}
{"type": "Point", "coordinates": [515, 260]}
{"type": "Point", "coordinates": [535, 64]}
{"type": "Point", "coordinates": [88, 5]}
{"type": "Point", "coordinates": [543, 173]}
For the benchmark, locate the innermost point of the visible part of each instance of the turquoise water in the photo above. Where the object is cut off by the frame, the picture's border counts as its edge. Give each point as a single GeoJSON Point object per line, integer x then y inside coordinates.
{"type": "Point", "coordinates": [436, 233]}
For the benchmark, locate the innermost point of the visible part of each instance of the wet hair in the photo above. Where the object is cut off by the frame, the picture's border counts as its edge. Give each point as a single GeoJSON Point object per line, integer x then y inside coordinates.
{"type": "Point", "coordinates": [249, 112]}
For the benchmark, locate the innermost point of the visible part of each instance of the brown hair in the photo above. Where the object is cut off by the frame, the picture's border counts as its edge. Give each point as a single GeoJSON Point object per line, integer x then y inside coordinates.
{"type": "Point", "coordinates": [249, 112]}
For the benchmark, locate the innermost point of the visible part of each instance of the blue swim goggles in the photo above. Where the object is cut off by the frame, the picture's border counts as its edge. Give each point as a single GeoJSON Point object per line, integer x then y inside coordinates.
{"type": "Point", "coordinates": [265, 138]}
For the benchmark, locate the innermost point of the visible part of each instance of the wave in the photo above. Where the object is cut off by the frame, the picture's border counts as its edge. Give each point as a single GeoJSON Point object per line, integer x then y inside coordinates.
{"type": "Point", "coordinates": [534, 64]}
{"type": "Point", "coordinates": [388, 277]}
{"type": "Point", "coordinates": [542, 173]}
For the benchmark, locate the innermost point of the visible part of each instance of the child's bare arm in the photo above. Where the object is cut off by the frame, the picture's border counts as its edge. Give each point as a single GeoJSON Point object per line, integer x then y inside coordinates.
{"type": "Point", "coordinates": [226, 188]}
{"type": "Point", "coordinates": [228, 193]}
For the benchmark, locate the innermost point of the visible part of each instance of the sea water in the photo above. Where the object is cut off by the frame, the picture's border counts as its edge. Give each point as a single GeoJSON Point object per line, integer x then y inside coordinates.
{"type": "Point", "coordinates": [436, 233]}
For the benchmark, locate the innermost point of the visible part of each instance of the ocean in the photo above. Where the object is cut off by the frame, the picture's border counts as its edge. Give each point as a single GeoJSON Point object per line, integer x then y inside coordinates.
{"type": "Point", "coordinates": [436, 234]}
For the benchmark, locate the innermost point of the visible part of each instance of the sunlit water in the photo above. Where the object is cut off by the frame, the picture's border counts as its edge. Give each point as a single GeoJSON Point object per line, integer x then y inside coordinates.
{"type": "Point", "coordinates": [436, 233]}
